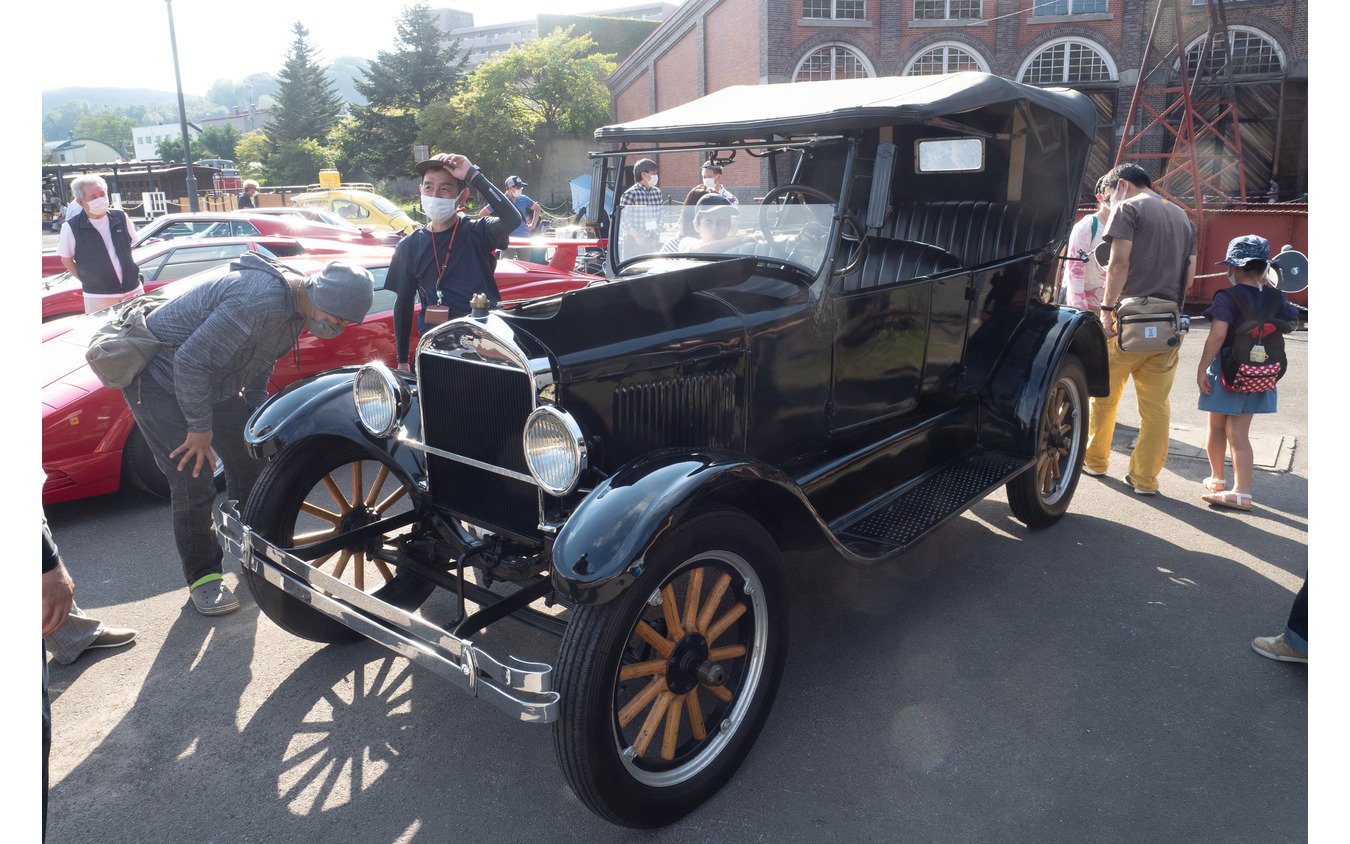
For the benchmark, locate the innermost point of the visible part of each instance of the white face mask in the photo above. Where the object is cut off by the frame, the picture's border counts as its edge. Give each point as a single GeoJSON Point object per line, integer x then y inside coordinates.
{"type": "Point", "coordinates": [1118, 195]}
{"type": "Point", "coordinates": [1232, 279]}
{"type": "Point", "coordinates": [710, 183]}
{"type": "Point", "coordinates": [651, 183]}
{"type": "Point", "coordinates": [324, 329]}
{"type": "Point", "coordinates": [440, 210]}
{"type": "Point", "coordinates": [98, 207]}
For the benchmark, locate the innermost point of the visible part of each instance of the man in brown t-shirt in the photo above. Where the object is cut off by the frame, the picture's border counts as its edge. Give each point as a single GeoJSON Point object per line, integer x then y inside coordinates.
{"type": "Point", "coordinates": [1153, 245]}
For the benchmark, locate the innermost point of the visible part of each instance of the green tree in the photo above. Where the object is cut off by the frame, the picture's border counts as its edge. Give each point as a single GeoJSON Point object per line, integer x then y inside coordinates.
{"type": "Point", "coordinates": [489, 126]}
{"type": "Point", "coordinates": [171, 149]}
{"type": "Point", "coordinates": [397, 86]}
{"type": "Point", "coordinates": [298, 162]}
{"type": "Point", "coordinates": [556, 80]}
{"type": "Point", "coordinates": [251, 155]}
{"type": "Point", "coordinates": [110, 128]}
{"type": "Point", "coordinates": [220, 141]}
{"type": "Point", "coordinates": [307, 106]}
{"type": "Point", "coordinates": [58, 123]}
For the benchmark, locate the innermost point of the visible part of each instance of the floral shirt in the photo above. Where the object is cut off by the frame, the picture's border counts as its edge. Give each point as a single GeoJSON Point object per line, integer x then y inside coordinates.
{"type": "Point", "coordinates": [1084, 281]}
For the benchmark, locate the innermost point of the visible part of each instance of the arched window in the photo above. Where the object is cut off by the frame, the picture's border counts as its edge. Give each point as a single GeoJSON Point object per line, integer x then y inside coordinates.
{"type": "Point", "coordinates": [1068, 61]}
{"type": "Point", "coordinates": [1250, 50]}
{"type": "Point", "coordinates": [833, 62]}
{"type": "Point", "coordinates": [944, 58]}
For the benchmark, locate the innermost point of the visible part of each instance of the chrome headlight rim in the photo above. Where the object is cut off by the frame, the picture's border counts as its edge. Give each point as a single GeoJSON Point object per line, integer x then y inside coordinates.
{"type": "Point", "coordinates": [389, 389]}
{"type": "Point", "coordinates": [569, 436]}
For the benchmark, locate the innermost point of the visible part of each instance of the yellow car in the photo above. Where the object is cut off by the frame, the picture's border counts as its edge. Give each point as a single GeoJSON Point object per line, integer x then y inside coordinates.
{"type": "Point", "coordinates": [359, 207]}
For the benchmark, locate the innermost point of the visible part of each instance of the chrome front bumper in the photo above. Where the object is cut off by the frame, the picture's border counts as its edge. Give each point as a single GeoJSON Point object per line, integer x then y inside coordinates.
{"type": "Point", "coordinates": [518, 687]}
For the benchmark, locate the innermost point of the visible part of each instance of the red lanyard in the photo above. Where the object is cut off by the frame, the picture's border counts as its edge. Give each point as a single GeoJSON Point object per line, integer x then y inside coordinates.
{"type": "Point", "coordinates": [437, 257]}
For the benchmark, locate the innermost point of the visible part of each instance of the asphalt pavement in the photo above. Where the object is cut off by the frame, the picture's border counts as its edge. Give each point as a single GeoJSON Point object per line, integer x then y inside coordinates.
{"type": "Point", "coordinates": [1089, 682]}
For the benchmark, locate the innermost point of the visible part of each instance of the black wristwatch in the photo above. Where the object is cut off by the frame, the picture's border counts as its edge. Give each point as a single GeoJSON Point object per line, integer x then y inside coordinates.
{"type": "Point", "coordinates": [470, 173]}
{"type": "Point", "coordinates": [1108, 308]}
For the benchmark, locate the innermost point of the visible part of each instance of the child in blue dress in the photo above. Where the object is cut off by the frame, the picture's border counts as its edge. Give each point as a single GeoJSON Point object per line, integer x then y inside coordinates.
{"type": "Point", "coordinates": [1230, 413]}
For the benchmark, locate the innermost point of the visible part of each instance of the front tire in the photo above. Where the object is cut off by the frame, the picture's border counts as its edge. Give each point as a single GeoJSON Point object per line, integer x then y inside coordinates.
{"type": "Point", "coordinates": [312, 491]}
{"type": "Point", "coordinates": [665, 688]}
{"type": "Point", "coordinates": [1040, 496]}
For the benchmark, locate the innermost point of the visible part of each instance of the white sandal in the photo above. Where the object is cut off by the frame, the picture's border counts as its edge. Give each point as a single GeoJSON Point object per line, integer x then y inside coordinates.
{"type": "Point", "coordinates": [1232, 500]}
{"type": "Point", "coordinates": [1213, 484]}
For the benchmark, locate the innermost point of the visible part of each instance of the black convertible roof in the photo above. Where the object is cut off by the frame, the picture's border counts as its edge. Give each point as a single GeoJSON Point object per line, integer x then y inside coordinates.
{"type": "Point", "coordinates": [804, 108]}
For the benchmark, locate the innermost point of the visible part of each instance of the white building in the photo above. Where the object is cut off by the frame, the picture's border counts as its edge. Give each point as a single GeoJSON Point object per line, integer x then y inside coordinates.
{"type": "Point", "coordinates": [147, 138]}
{"type": "Point", "coordinates": [483, 42]}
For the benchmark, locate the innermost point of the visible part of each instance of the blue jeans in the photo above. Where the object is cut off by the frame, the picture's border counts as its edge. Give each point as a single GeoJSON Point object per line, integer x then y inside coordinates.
{"type": "Point", "coordinates": [1296, 629]}
{"type": "Point", "coordinates": [162, 423]}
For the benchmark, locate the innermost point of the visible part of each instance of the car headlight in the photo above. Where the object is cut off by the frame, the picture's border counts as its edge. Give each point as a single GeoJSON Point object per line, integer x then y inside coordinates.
{"type": "Point", "coordinates": [381, 399]}
{"type": "Point", "coordinates": [555, 450]}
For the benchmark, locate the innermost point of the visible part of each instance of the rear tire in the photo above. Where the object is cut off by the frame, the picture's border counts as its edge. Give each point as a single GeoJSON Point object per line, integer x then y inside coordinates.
{"type": "Point", "coordinates": [299, 499]}
{"type": "Point", "coordinates": [139, 467]}
{"type": "Point", "coordinates": [1041, 495]}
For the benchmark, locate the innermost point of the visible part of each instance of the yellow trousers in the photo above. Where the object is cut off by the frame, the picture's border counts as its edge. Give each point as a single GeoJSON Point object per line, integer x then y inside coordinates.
{"type": "Point", "coordinates": [1153, 376]}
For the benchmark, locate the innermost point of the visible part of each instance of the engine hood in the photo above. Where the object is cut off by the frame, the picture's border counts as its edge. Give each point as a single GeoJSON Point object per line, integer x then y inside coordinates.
{"type": "Point", "coordinates": [635, 324]}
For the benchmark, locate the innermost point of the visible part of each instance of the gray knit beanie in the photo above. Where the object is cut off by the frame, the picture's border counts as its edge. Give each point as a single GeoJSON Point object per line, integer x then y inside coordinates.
{"type": "Point", "coordinates": [343, 290]}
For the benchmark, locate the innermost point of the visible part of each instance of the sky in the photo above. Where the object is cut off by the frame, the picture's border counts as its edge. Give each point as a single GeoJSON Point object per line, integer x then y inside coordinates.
{"type": "Point", "coordinates": [255, 37]}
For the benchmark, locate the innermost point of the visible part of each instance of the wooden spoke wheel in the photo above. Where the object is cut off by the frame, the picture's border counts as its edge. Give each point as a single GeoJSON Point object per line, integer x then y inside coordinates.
{"type": "Point", "coordinates": [665, 688]}
{"type": "Point", "coordinates": [317, 490]}
{"type": "Point", "coordinates": [1041, 495]}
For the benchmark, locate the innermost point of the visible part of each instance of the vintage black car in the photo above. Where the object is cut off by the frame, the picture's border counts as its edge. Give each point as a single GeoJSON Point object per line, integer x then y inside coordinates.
{"type": "Point", "coordinates": [627, 465]}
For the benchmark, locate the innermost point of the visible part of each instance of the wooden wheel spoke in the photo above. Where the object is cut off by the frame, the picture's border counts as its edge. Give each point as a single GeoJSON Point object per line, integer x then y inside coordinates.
{"type": "Point", "coordinates": [391, 500]}
{"type": "Point", "coordinates": [359, 570]}
{"type": "Point", "coordinates": [691, 597]}
{"type": "Point", "coordinates": [728, 652]}
{"type": "Point", "coordinates": [377, 485]}
{"type": "Point", "coordinates": [316, 510]}
{"type": "Point", "coordinates": [314, 536]}
{"type": "Point", "coordinates": [643, 669]}
{"type": "Point", "coordinates": [724, 622]}
{"type": "Point", "coordinates": [357, 487]}
{"type": "Point", "coordinates": [720, 692]}
{"type": "Point", "coordinates": [672, 612]}
{"type": "Point", "coordinates": [383, 569]}
{"type": "Point", "coordinates": [341, 563]}
{"type": "Point", "coordinates": [332, 487]}
{"type": "Point", "coordinates": [653, 721]}
{"type": "Point", "coordinates": [641, 699]}
{"type": "Point", "coordinates": [695, 715]}
{"type": "Point", "coordinates": [662, 645]}
{"type": "Point", "coordinates": [710, 606]}
{"type": "Point", "coordinates": [672, 728]}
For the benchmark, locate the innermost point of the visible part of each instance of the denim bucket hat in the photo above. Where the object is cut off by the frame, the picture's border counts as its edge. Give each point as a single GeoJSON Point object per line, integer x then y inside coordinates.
{"type": "Point", "coordinates": [1245, 249]}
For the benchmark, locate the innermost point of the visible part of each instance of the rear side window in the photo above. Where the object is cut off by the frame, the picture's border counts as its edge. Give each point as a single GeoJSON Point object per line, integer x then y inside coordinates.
{"type": "Point", "coordinates": [348, 210]}
{"type": "Point", "coordinates": [949, 155]}
{"type": "Point", "coordinates": [193, 259]}
{"type": "Point", "coordinates": [243, 228]}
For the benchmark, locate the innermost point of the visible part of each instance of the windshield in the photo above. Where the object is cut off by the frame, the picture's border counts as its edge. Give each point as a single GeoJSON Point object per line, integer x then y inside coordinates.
{"type": "Point", "coordinates": [792, 228]}
{"type": "Point", "coordinates": [385, 206]}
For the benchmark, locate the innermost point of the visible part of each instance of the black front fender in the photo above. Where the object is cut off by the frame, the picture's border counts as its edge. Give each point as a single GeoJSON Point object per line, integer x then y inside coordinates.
{"type": "Point", "coordinates": [601, 550]}
{"type": "Point", "coordinates": [322, 405]}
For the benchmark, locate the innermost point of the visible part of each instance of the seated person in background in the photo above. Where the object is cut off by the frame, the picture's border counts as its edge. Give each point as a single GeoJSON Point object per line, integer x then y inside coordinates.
{"type": "Point", "coordinates": [715, 227]}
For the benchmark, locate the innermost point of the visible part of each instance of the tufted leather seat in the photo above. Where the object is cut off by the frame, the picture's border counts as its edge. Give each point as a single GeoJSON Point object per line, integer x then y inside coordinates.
{"type": "Point", "coordinates": [892, 261]}
{"type": "Point", "coordinates": [975, 231]}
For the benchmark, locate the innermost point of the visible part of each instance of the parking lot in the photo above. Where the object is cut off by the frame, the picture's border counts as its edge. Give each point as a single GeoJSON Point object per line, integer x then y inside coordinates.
{"type": "Point", "coordinates": [1090, 682]}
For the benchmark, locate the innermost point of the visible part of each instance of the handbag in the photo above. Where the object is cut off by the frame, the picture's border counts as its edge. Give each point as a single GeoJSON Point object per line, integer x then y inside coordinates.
{"type": "Point", "coordinates": [1146, 325]}
{"type": "Point", "coordinates": [124, 346]}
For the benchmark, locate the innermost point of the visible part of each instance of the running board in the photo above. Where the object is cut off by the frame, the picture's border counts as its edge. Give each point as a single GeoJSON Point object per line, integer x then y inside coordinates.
{"type": "Point", "coordinates": [897, 520]}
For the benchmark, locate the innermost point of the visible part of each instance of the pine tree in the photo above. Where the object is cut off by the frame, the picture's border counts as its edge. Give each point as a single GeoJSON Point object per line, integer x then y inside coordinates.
{"type": "Point", "coordinates": [398, 86]}
{"type": "Point", "coordinates": [307, 106]}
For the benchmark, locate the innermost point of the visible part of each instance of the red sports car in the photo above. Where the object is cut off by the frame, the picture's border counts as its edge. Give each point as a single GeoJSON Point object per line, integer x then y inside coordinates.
{"type": "Point", "coordinates": [169, 260]}
{"type": "Point", "coordinates": [90, 444]}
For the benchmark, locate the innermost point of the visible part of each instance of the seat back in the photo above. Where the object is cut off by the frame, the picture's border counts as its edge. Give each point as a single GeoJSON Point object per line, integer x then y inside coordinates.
{"type": "Point", "coordinates": [892, 261]}
{"type": "Point", "coordinates": [975, 231]}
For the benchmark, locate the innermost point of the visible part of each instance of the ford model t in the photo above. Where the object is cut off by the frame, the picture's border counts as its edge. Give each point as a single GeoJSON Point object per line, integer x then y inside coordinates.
{"type": "Point", "coordinates": [861, 355]}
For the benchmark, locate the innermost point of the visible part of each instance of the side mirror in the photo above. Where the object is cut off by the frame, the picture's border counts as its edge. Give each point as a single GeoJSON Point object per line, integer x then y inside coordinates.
{"type": "Point", "coordinates": [1102, 254]}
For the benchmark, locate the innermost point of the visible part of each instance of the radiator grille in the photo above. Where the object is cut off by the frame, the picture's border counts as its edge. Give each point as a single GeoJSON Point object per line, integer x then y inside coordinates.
{"type": "Point", "coordinates": [479, 412]}
{"type": "Point", "coordinates": [697, 411]}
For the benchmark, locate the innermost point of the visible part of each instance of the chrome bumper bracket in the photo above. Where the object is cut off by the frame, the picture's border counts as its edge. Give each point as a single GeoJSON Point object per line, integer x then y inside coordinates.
{"type": "Point", "coordinates": [518, 687]}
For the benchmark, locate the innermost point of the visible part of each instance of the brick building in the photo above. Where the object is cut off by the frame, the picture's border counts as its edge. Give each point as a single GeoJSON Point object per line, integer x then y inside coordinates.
{"type": "Point", "coordinates": [1095, 46]}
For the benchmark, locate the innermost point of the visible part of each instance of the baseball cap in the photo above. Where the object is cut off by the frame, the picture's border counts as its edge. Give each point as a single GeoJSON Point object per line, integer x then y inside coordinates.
{"type": "Point", "coordinates": [439, 161]}
{"type": "Point", "coordinates": [711, 203]}
{"type": "Point", "coordinates": [1245, 249]}
{"type": "Point", "coordinates": [515, 182]}
{"type": "Point", "coordinates": [342, 289]}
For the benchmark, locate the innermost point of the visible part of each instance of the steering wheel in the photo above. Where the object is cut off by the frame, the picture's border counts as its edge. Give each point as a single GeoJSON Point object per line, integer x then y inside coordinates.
{"type": "Point", "coordinates": [810, 233]}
